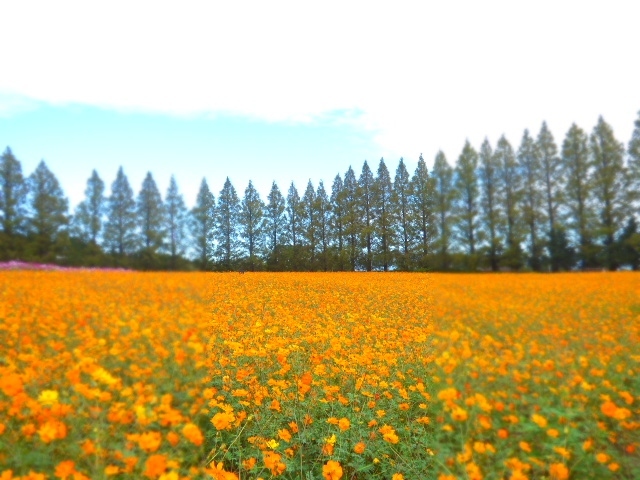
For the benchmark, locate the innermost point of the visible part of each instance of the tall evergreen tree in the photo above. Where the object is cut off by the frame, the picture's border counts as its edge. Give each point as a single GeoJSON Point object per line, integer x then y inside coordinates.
{"type": "Point", "coordinates": [466, 183]}
{"type": "Point", "coordinates": [490, 187]}
{"type": "Point", "coordinates": [578, 192]}
{"type": "Point", "coordinates": [151, 215]}
{"type": "Point", "coordinates": [275, 225]}
{"type": "Point", "coordinates": [202, 223]}
{"type": "Point", "coordinates": [13, 195]}
{"type": "Point", "coordinates": [365, 195]}
{"type": "Point", "coordinates": [309, 224]}
{"type": "Point", "coordinates": [120, 229]}
{"type": "Point", "coordinates": [609, 187]}
{"type": "Point", "coordinates": [337, 223]}
{"type": "Point", "coordinates": [402, 202]}
{"type": "Point", "coordinates": [323, 219]}
{"type": "Point", "coordinates": [294, 226]}
{"type": "Point", "coordinates": [226, 226]}
{"type": "Point", "coordinates": [422, 204]}
{"type": "Point", "coordinates": [89, 216]}
{"type": "Point", "coordinates": [532, 197]}
{"type": "Point", "coordinates": [49, 208]}
{"type": "Point", "coordinates": [444, 198]}
{"type": "Point", "coordinates": [511, 194]}
{"type": "Point", "coordinates": [352, 217]}
{"type": "Point", "coordinates": [634, 168]}
{"type": "Point", "coordinates": [176, 218]}
{"type": "Point", "coordinates": [552, 186]}
{"type": "Point", "coordinates": [251, 223]}
{"type": "Point", "coordinates": [385, 216]}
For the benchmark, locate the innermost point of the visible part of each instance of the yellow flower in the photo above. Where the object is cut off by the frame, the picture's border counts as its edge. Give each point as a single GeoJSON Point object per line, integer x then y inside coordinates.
{"type": "Point", "coordinates": [48, 397]}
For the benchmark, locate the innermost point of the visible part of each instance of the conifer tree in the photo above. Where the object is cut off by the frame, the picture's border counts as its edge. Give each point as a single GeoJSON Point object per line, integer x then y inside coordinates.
{"type": "Point", "coordinates": [467, 215]}
{"type": "Point", "coordinates": [365, 204]}
{"type": "Point", "coordinates": [202, 223]}
{"type": "Point", "coordinates": [13, 195]}
{"type": "Point", "coordinates": [48, 212]}
{"type": "Point", "coordinates": [151, 214]}
{"type": "Point", "coordinates": [422, 203]}
{"type": "Point", "coordinates": [385, 216]}
{"type": "Point", "coordinates": [89, 215]}
{"type": "Point", "coordinates": [309, 224]}
{"type": "Point", "coordinates": [120, 229]}
{"type": "Point", "coordinates": [402, 202]}
{"type": "Point", "coordinates": [251, 223]}
{"type": "Point", "coordinates": [609, 187]}
{"type": "Point", "coordinates": [510, 195]}
{"type": "Point", "coordinates": [176, 217]}
{"type": "Point", "coordinates": [275, 225]}
{"type": "Point", "coordinates": [552, 183]}
{"type": "Point", "coordinates": [337, 222]}
{"type": "Point", "coordinates": [634, 168]}
{"type": "Point", "coordinates": [443, 201]}
{"type": "Point", "coordinates": [323, 212]}
{"type": "Point", "coordinates": [490, 186]}
{"type": "Point", "coordinates": [532, 197]}
{"type": "Point", "coordinates": [294, 226]}
{"type": "Point", "coordinates": [352, 216]}
{"type": "Point", "coordinates": [578, 193]}
{"type": "Point", "coordinates": [226, 226]}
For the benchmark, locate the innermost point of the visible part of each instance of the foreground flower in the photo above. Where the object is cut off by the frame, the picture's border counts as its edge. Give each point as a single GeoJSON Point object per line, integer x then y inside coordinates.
{"type": "Point", "coordinates": [332, 470]}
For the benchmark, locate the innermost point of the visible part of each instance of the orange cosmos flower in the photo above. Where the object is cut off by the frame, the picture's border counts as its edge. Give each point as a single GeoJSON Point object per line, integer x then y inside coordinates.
{"type": "Point", "coordinates": [284, 434]}
{"type": "Point", "coordinates": [150, 441]}
{"type": "Point", "coordinates": [155, 466]}
{"type": "Point", "coordinates": [558, 471]}
{"type": "Point", "coordinates": [65, 469]}
{"type": "Point", "coordinates": [359, 447]}
{"type": "Point", "coordinates": [192, 433]}
{"type": "Point", "coordinates": [539, 420]}
{"type": "Point", "coordinates": [223, 420]}
{"type": "Point", "coordinates": [344, 424]}
{"type": "Point", "coordinates": [608, 408]}
{"type": "Point", "coordinates": [272, 461]}
{"type": "Point", "coordinates": [332, 470]}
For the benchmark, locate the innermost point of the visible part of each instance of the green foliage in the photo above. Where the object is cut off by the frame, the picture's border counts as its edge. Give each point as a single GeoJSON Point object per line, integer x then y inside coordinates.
{"type": "Point", "coordinates": [201, 225]}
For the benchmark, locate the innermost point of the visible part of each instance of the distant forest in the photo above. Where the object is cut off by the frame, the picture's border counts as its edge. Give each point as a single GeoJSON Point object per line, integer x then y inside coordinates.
{"type": "Point", "coordinates": [537, 208]}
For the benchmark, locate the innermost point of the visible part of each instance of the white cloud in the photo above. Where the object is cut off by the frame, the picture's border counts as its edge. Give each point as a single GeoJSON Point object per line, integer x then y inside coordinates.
{"type": "Point", "coordinates": [423, 75]}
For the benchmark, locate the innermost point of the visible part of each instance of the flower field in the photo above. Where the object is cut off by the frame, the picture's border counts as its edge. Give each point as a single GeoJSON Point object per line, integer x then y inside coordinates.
{"type": "Point", "coordinates": [319, 376]}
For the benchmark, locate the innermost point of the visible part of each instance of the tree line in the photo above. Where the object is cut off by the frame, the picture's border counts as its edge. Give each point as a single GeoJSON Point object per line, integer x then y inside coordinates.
{"type": "Point", "coordinates": [540, 207]}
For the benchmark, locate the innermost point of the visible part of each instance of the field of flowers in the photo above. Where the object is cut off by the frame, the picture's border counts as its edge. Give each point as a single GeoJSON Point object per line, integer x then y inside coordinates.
{"type": "Point", "coordinates": [312, 376]}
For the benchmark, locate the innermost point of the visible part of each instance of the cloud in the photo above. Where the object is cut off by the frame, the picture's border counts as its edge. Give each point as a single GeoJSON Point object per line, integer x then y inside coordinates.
{"type": "Point", "coordinates": [421, 77]}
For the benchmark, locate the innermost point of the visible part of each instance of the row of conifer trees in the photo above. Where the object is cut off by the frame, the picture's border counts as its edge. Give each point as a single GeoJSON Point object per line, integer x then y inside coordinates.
{"type": "Point", "coordinates": [539, 207]}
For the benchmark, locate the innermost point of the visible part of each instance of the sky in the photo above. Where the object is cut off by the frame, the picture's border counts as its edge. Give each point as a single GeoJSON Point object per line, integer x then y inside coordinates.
{"type": "Point", "coordinates": [291, 91]}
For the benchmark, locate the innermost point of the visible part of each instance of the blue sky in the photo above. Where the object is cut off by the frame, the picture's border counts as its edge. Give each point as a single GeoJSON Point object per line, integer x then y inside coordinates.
{"type": "Point", "coordinates": [292, 91]}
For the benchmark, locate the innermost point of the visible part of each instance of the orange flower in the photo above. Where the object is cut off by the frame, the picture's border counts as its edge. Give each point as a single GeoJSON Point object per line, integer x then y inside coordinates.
{"type": "Point", "coordinates": [249, 463]}
{"type": "Point", "coordinates": [150, 441]}
{"type": "Point", "coordinates": [332, 470]}
{"type": "Point", "coordinates": [173, 438]}
{"type": "Point", "coordinates": [52, 430]}
{"type": "Point", "coordinates": [273, 461]}
{"type": "Point", "coordinates": [65, 469]}
{"type": "Point", "coordinates": [539, 420]}
{"type": "Point", "coordinates": [459, 414]}
{"type": "Point", "coordinates": [359, 447]}
{"type": "Point", "coordinates": [192, 433]}
{"type": "Point", "coordinates": [155, 466]}
{"type": "Point", "coordinates": [284, 434]}
{"type": "Point", "coordinates": [608, 408]}
{"type": "Point", "coordinates": [223, 420]}
{"type": "Point", "coordinates": [558, 471]}
{"type": "Point", "coordinates": [344, 424]}
{"type": "Point", "coordinates": [219, 473]}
